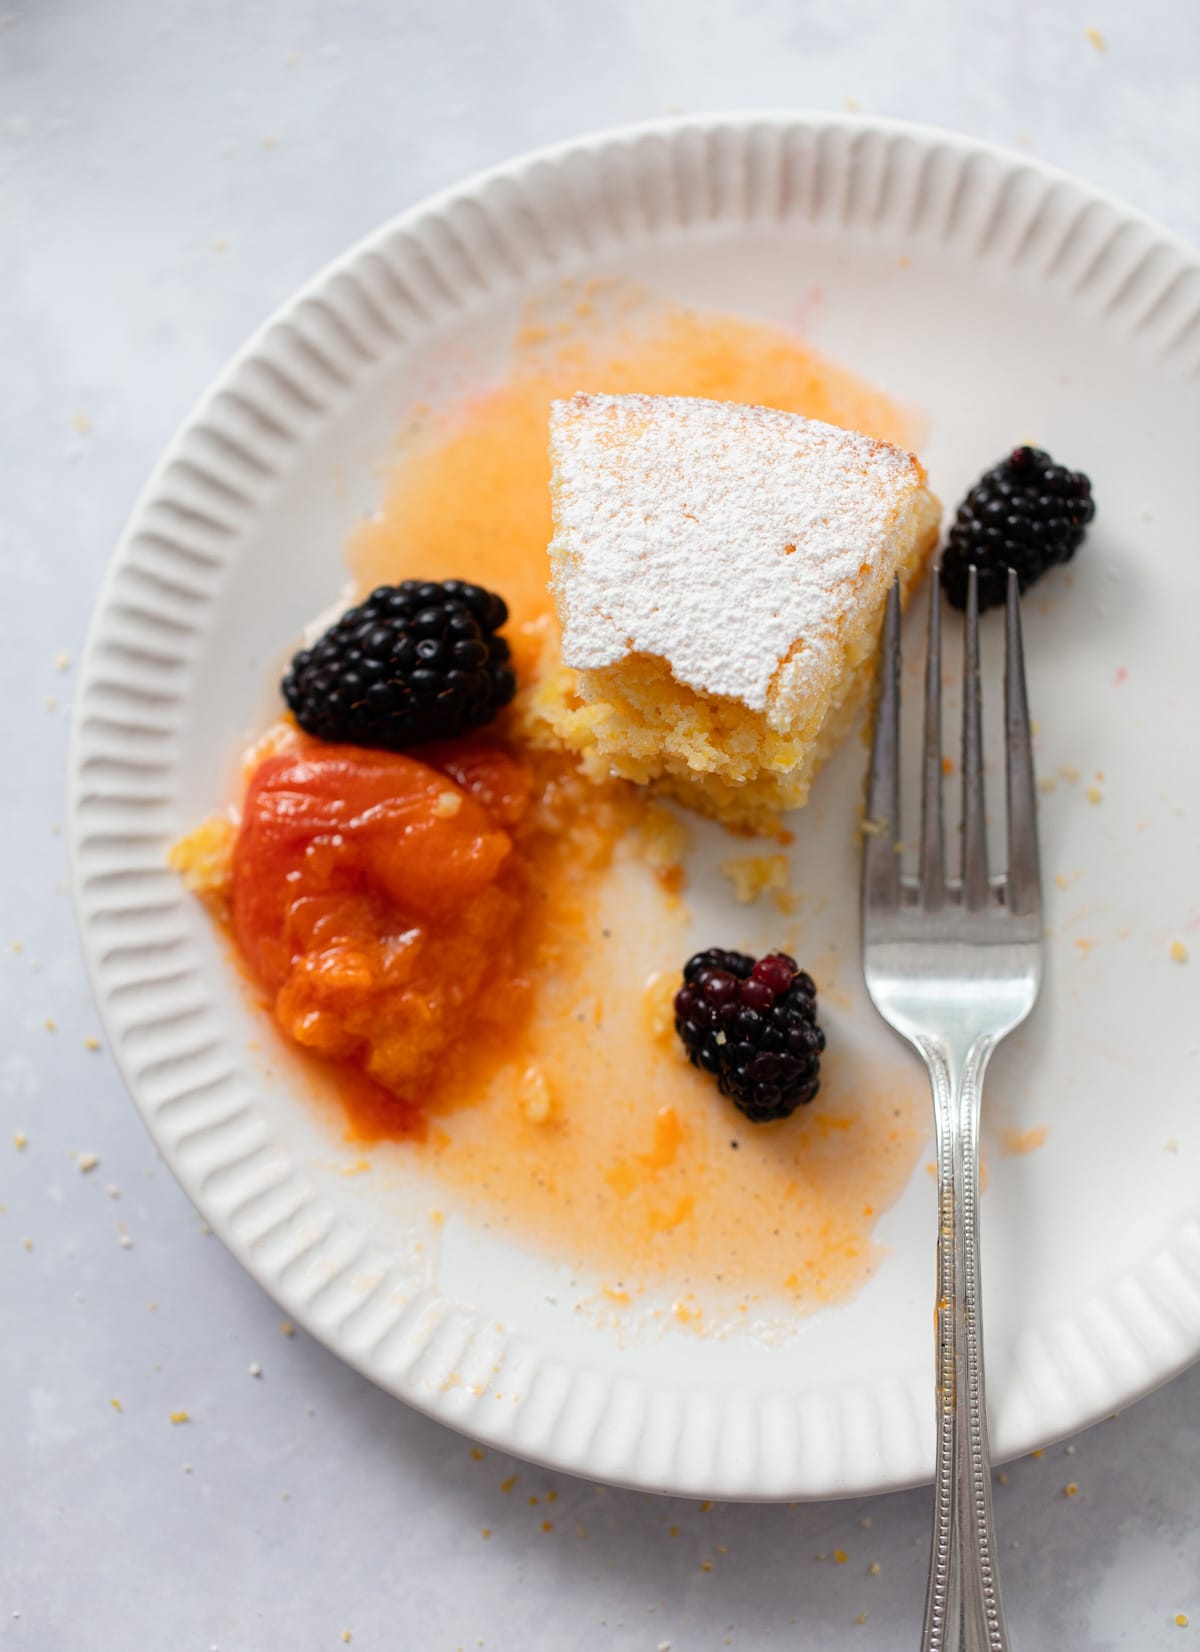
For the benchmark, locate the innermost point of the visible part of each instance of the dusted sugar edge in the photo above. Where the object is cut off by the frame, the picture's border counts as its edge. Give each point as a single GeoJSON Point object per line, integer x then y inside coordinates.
{"type": "Point", "coordinates": [727, 540]}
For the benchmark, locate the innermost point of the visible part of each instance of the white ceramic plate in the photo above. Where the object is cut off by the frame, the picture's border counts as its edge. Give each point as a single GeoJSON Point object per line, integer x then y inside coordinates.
{"type": "Point", "coordinates": [1007, 302]}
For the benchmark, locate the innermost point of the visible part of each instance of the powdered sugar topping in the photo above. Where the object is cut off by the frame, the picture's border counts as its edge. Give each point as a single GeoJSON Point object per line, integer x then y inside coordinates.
{"type": "Point", "coordinates": [717, 536]}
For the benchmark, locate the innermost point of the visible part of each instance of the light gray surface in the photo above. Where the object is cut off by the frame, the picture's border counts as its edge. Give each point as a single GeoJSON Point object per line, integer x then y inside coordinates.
{"type": "Point", "coordinates": [168, 173]}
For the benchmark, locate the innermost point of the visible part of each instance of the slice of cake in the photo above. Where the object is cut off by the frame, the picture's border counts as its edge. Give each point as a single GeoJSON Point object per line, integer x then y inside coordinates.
{"type": "Point", "coordinates": [720, 574]}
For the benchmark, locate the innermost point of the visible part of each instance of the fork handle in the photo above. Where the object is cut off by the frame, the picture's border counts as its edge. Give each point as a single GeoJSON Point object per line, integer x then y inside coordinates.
{"type": "Point", "coordinates": [963, 1610]}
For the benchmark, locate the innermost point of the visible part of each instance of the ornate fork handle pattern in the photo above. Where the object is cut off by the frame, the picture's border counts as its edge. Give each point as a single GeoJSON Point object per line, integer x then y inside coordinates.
{"type": "Point", "coordinates": [963, 1611]}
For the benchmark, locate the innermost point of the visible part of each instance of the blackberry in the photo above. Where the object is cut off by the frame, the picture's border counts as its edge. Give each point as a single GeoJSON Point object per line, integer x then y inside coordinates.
{"type": "Point", "coordinates": [414, 662]}
{"type": "Point", "coordinates": [754, 1026]}
{"type": "Point", "coordinates": [1026, 513]}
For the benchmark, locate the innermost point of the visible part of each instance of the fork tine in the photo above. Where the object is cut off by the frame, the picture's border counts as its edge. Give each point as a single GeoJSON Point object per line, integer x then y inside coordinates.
{"type": "Point", "coordinates": [881, 863]}
{"type": "Point", "coordinates": [1024, 875]}
{"type": "Point", "coordinates": [974, 827]}
{"type": "Point", "coordinates": [932, 866]}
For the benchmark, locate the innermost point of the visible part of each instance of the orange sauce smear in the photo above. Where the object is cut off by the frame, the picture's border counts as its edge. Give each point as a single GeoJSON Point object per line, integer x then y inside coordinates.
{"type": "Point", "coordinates": [587, 1133]}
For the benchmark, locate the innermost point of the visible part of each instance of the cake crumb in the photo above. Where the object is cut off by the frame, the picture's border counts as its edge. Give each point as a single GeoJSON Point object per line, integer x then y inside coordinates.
{"type": "Point", "coordinates": [62, 661]}
{"type": "Point", "coordinates": [485, 1531]}
{"type": "Point", "coordinates": [1047, 784]}
{"type": "Point", "coordinates": [865, 1522]}
{"type": "Point", "coordinates": [286, 1328]}
{"type": "Point", "coordinates": [255, 1369]}
{"type": "Point", "coordinates": [1181, 1620]}
{"type": "Point", "coordinates": [1094, 795]}
{"type": "Point", "coordinates": [840, 1557]}
{"type": "Point", "coordinates": [1002, 1477]}
{"type": "Point", "coordinates": [706, 1565]}
{"type": "Point", "coordinates": [535, 1097]}
{"type": "Point", "coordinates": [87, 1162]}
{"type": "Point", "coordinates": [507, 1485]}
{"type": "Point", "coordinates": [91, 1044]}
{"type": "Point", "coordinates": [1069, 772]}
{"type": "Point", "coordinates": [753, 876]}
{"type": "Point", "coordinates": [448, 805]}
{"type": "Point", "coordinates": [1096, 39]}
{"type": "Point", "coordinates": [706, 1505]}
{"type": "Point", "coordinates": [874, 1569]}
{"type": "Point", "coordinates": [125, 1242]}
{"type": "Point", "coordinates": [1179, 953]}
{"type": "Point", "coordinates": [178, 1417]}
{"type": "Point", "coordinates": [116, 1405]}
{"type": "Point", "coordinates": [861, 1618]}
{"type": "Point", "coordinates": [1018, 1142]}
{"type": "Point", "coordinates": [665, 841]}
{"type": "Point", "coordinates": [1171, 1145]}
{"type": "Point", "coordinates": [346, 1637]}
{"type": "Point", "coordinates": [477, 1454]}
{"type": "Point", "coordinates": [547, 1525]}
{"type": "Point", "coordinates": [51, 1024]}
{"type": "Point", "coordinates": [1070, 1489]}
{"type": "Point", "coordinates": [20, 1140]}
{"type": "Point", "coordinates": [204, 858]}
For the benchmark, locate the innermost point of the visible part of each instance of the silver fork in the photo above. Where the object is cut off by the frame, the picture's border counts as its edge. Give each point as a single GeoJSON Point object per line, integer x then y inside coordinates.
{"type": "Point", "coordinates": [953, 964]}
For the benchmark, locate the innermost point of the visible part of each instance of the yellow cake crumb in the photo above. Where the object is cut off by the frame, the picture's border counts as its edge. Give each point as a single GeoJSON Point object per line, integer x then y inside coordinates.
{"type": "Point", "coordinates": [840, 1557]}
{"type": "Point", "coordinates": [1070, 1489]}
{"type": "Point", "coordinates": [1024, 1141]}
{"type": "Point", "coordinates": [86, 1163]}
{"type": "Point", "coordinates": [665, 841]}
{"type": "Point", "coordinates": [874, 1568]}
{"type": "Point", "coordinates": [1179, 953]}
{"type": "Point", "coordinates": [178, 1417]}
{"type": "Point", "coordinates": [753, 876]}
{"type": "Point", "coordinates": [204, 858]}
{"type": "Point", "coordinates": [91, 1044]}
{"type": "Point", "coordinates": [286, 1328]}
{"type": "Point", "coordinates": [1096, 39]}
{"type": "Point", "coordinates": [1181, 1620]}
{"type": "Point", "coordinates": [535, 1097]}
{"type": "Point", "coordinates": [116, 1405]}
{"type": "Point", "coordinates": [477, 1454]}
{"type": "Point", "coordinates": [1094, 794]}
{"type": "Point", "coordinates": [20, 1140]}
